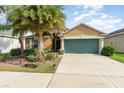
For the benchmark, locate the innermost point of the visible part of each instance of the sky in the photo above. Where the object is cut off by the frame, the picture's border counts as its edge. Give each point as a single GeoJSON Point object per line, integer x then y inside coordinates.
{"type": "Point", "coordinates": [104, 18]}
{"type": "Point", "coordinates": [107, 18]}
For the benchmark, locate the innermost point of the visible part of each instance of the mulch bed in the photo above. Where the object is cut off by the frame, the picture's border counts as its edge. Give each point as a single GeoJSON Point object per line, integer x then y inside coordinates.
{"type": "Point", "coordinates": [19, 61]}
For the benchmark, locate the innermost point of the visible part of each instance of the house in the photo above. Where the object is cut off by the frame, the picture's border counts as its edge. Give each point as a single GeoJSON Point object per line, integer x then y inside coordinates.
{"type": "Point", "coordinates": [116, 39]}
{"type": "Point", "coordinates": [32, 42]}
{"type": "Point", "coordinates": [7, 41]}
{"type": "Point", "coordinates": [48, 42]}
{"type": "Point", "coordinates": [82, 39]}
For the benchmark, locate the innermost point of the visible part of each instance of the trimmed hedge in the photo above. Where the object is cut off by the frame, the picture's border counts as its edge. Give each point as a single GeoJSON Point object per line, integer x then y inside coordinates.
{"type": "Point", "coordinates": [15, 52]}
{"type": "Point", "coordinates": [108, 50]}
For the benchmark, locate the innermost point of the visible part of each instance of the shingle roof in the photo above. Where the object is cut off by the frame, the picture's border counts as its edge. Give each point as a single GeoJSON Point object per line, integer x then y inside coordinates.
{"type": "Point", "coordinates": [9, 32]}
{"type": "Point", "coordinates": [117, 32]}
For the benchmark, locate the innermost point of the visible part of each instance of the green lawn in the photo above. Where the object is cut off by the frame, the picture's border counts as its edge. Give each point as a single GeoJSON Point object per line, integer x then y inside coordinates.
{"type": "Point", "coordinates": [45, 68]}
{"type": "Point", "coordinates": [119, 57]}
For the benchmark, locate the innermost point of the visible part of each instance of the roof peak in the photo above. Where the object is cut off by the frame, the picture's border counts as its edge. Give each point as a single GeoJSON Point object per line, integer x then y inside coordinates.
{"type": "Point", "coordinates": [92, 27]}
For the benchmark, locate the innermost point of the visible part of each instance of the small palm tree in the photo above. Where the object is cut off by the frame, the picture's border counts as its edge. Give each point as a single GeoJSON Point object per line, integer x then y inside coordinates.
{"type": "Point", "coordinates": [20, 33]}
{"type": "Point", "coordinates": [15, 19]}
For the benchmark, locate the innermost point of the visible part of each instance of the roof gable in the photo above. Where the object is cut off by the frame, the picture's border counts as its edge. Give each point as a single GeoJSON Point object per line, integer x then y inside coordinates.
{"type": "Point", "coordinates": [82, 29]}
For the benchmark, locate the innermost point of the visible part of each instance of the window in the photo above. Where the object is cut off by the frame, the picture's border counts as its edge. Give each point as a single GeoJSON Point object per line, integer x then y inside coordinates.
{"type": "Point", "coordinates": [35, 44]}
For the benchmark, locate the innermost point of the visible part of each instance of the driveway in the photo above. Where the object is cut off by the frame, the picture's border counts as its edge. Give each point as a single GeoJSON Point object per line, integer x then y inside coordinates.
{"type": "Point", "coordinates": [88, 70]}
{"type": "Point", "coordinates": [24, 80]}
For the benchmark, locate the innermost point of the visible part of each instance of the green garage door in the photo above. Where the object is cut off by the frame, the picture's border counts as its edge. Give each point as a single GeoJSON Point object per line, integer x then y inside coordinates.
{"type": "Point", "coordinates": [81, 45]}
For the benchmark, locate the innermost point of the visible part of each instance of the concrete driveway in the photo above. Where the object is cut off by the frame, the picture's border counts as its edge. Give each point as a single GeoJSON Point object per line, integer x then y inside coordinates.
{"type": "Point", "coordinates": [24, 80]}
{"type": "Point", "coordinates": [88, 70]}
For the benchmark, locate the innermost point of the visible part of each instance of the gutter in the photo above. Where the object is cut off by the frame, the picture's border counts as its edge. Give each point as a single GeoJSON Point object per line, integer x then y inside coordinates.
{"type": "Point", "coordinates": [7, 36]}
{"type": "Point", "coordinates": [115, 34]}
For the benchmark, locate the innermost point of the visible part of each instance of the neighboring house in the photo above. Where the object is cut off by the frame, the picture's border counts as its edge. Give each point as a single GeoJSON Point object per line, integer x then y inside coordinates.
{"type": "Point", "coordinates": [7, 41]}
{"type": "Point", "coordinates": [116, 39]}
{"type": "Point", "coordinates": [82, 39]}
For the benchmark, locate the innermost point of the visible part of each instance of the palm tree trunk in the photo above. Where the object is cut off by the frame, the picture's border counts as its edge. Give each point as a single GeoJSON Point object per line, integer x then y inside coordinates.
{"type": "Point", "coordinates": [21, 41]}
{"type": "Point", "coordinates": [55, 42]}
{"type": "Point", "coordinates": [40, 43]}
{"type": "Point", "coordinates": [55, 35]}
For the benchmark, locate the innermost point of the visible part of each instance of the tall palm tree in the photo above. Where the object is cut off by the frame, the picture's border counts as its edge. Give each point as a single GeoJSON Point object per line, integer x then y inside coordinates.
{"type": "Point", "coordinates": [59, 24]}
{"type": "Point", "coordinates": [37, 19]}
{"type": "Point", "coordinates": [44, 18]}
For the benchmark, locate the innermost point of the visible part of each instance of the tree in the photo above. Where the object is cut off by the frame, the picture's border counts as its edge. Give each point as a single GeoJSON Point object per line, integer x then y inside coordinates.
{"type": "Point", "coordinates": [44, 18]}
{"type": "Point", "coordinates": [4, 10]}
{"type": "Point", "coordinates": [37, 19]}
{"type": "Point", "coordinates": [14, 22]}
{"type": "Point", "coordinates": [16, 19]}
{"type": "Point", "coordinates": [59, 24]}
{"type": "Point", "coordinates": [20, 33]}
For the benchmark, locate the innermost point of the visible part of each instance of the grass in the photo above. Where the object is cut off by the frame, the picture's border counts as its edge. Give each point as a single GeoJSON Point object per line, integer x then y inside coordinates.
{"type": "Point", "coordinates": [47, 67]}
{"type": "Point", "coordinates": [119, 57]}
{"type": "Point", "coordinates": [44, 68]}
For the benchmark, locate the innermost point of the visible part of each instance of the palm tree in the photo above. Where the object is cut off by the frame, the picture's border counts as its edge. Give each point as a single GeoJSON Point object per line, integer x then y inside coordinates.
{"type": "Point", "coordinates": [16, 20]}
{"type": "Point", "coordinates": [37, 19]}
{"type": "Point", "coordinates": [20, 33]}
{"type": "Point", "coordinates": [44, 18]}
{"type": "Point", "coordinates": [59, 24]}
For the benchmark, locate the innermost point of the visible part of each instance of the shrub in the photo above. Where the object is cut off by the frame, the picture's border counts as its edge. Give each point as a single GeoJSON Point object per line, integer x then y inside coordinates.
{"type": "Point", "coordinates": [108, 51]}
{"type": "Point", "coordinates": [15, 52]}
{"type": "Point", "coordinates": [50, 56]}
{"type": "Point", "coordinates": [46, 50]}
{"type": "Point", "coordinates": [4, 56]}
{"type": "Point", "coordinates": [61, 52]}
{"type": "Point", "coordinates": [32, 58]}
{"type": "Point", "coordinates": [28, 52]}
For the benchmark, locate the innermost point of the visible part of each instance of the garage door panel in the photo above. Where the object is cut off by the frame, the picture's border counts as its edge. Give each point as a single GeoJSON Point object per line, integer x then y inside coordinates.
{"type": "Point", "coordinates": [81, 45]}
{"type": "Point", "coordinates": [76, 45]}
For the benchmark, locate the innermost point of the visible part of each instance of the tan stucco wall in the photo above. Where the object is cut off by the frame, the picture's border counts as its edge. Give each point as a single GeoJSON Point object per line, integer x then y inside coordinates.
{"type": "Point", "coordinates": [116, 41]}
{"type": "Point", "coordinates": [6, 44]}
{"type": "Point", "coordinates": [82, 30]}
{"type": "Point", "coordinates": [27, 43]}
{"type": "Point", "coordinates": [47, 43]}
